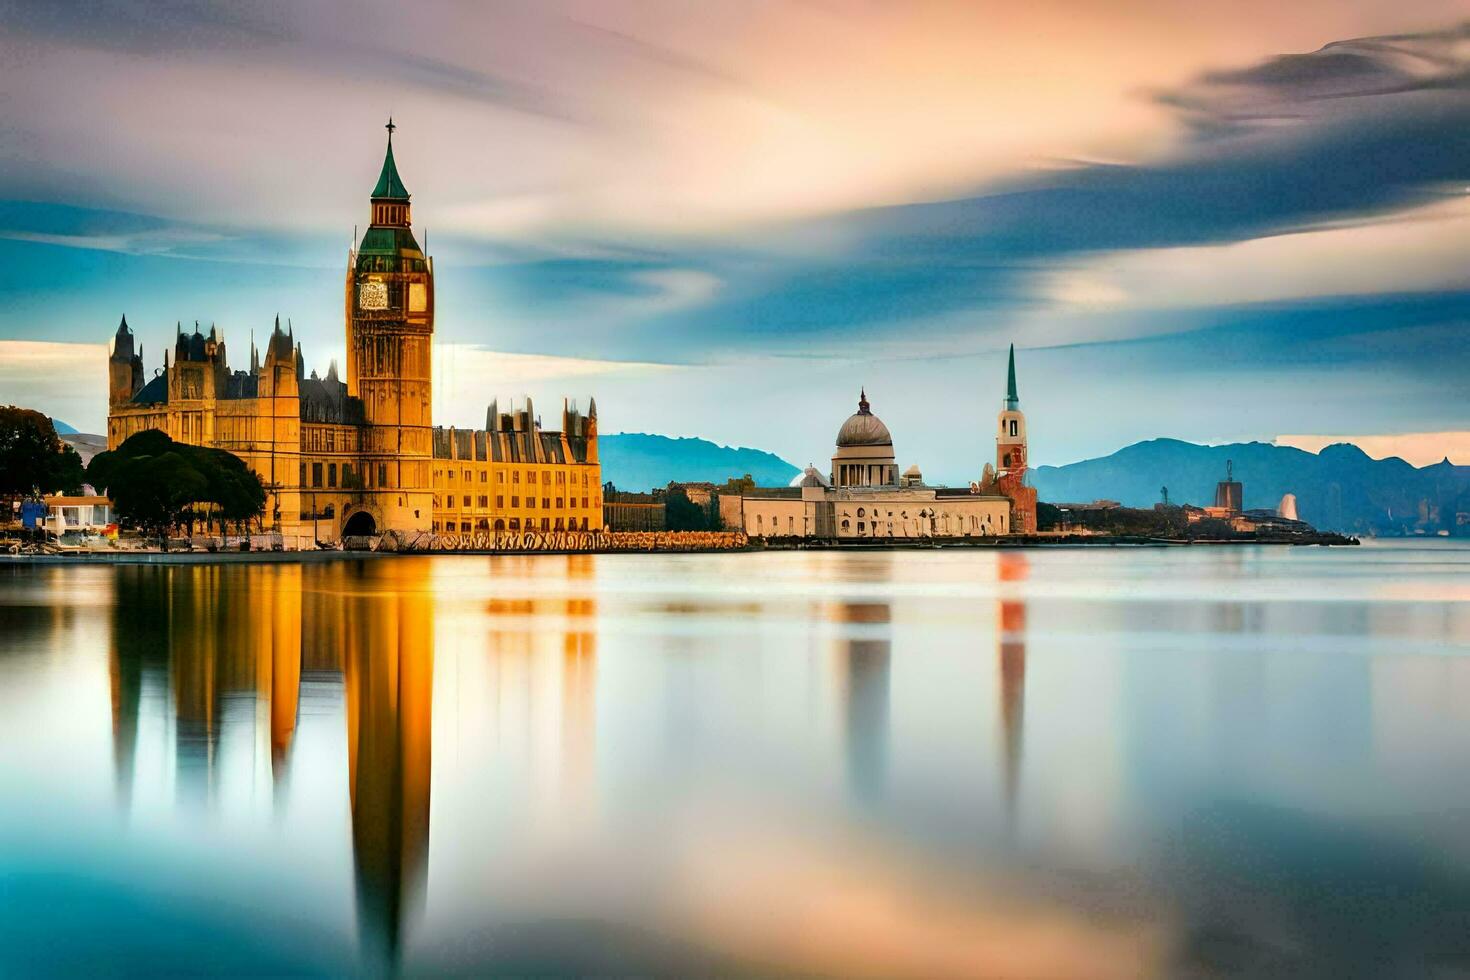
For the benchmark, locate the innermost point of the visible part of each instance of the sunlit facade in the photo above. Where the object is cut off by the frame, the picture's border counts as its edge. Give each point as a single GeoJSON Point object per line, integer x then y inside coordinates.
{"type": "Point", "coordinates": [359, 454]}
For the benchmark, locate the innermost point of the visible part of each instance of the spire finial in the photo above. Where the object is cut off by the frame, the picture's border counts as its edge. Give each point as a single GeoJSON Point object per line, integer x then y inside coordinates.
{"type": "Point", "coordinates": [390, 127]}
{"type": "Point", "coordinates": [863, 401]}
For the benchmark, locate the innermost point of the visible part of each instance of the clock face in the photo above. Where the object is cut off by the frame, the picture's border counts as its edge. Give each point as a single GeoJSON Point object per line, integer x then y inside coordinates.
{"type": "Point", "coordinates": [372, 295]}
{"type": "Point", "coordinates": [418, 297]}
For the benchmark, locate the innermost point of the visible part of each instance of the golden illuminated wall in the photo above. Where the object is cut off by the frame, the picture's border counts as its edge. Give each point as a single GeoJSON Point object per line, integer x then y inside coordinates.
{"type": "Point", "coordinates": [484, 495]}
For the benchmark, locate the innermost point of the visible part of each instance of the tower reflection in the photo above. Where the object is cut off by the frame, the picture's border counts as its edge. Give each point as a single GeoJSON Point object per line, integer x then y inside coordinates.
{"type": "Point", "coordinates": [216, 653]}
{"type": "Point", "coordinates": [864, 655]}
{"type": "Point", "coordinates": [1012, 566]}
{"type": "Point", "coordinates": [387, 641]}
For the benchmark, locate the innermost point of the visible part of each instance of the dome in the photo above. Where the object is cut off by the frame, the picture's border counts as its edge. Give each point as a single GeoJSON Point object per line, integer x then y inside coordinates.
{"type": "Point", "coordinates": [913, 471]}
{"type": "Point", "coordinates": [808, 477]}
{"type": "Point", "coordinates": [864, 428]}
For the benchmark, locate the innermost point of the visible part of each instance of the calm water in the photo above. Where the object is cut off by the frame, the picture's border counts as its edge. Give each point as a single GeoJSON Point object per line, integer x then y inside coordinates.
{"type": "Point", "coordinates": [1046, 763]}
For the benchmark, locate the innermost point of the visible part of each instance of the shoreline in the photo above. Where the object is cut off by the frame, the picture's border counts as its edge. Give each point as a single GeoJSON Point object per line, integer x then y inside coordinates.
{"type": "Point", "coordinates": [276, 557]}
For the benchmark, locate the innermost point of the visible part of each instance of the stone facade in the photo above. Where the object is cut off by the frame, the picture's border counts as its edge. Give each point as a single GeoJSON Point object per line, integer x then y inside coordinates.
{"type": "Point", "coordinates": [864, 497]}
{"type": "Point", "coordinates": [360, 454]}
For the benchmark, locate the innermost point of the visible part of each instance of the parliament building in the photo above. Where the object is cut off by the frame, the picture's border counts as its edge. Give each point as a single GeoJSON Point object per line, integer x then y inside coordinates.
{"type": "Point", "coordinates": [358, 454]}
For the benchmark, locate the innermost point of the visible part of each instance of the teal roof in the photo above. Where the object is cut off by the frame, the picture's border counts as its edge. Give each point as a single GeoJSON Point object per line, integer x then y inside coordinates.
{"type": "Point", "coordinates": [385, 248]}
{"type": "Point", "coordinates": [390, 185]}
{"type": "Point", "coordinates": [1011, 399]}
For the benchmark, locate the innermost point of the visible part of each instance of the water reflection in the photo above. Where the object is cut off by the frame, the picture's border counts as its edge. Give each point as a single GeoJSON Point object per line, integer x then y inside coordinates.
{"type": "Point", "coordinates": [854, 764]}
{"type": "Point", "coordinates": [1011, 567]}
{"type": "Point", "coordinates": [864, 654]}
{"type": "Point", "coordinates": [388, 677]}
{"type": "Point", "coordinates": [226, 645]}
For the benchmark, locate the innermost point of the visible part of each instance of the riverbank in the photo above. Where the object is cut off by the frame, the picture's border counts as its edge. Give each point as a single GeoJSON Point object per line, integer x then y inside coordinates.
{"type": "Point", "coordinates": [142, 557]}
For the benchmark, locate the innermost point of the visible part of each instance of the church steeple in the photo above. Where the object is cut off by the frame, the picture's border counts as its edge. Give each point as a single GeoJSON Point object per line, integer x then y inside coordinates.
{"type": "Point", "coordinates": [1012, 401]}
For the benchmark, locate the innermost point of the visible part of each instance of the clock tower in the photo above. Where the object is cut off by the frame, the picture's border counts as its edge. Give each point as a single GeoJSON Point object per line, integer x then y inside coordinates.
{"type": "Point", "coordinates": [390, 328]}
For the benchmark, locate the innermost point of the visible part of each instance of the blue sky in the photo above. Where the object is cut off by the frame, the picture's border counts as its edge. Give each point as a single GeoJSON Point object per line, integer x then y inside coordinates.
{"type": "Point", "coordinates": [1228, 222]}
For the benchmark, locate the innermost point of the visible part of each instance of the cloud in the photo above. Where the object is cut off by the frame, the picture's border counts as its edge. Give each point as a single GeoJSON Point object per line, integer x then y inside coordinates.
{"type": "Point", "coordinates": [1416, 251]}
{"type": "Point", "coordinates": [1325, 82]}
{"type": "Point", "coordinates": [467, 377]}
{"type": "Point", "coordinates": [65, 381]}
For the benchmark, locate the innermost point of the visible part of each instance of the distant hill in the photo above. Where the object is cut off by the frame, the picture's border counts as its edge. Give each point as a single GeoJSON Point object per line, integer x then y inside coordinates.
{"type": "Point", "coordinates": [62, 429]}
{"type": "Point", "coordinates": [86, 444]}
{"type": "Point", "coordinates": [638, 461]}
{"type": "Point", "coordinates": [1340, 489]}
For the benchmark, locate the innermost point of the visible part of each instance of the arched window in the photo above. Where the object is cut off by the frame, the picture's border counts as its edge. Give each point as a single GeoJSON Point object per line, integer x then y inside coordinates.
{"type": "Point", "coordinates": [1013, 427]}
{"type": "Point", "coordinates": [846, 525]}
{"type": "Point", "coordinates": [862, 512]}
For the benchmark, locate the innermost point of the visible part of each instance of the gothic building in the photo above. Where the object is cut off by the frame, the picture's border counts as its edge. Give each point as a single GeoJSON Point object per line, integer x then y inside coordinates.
{"type": "Point", "coordinates": [360, 454]}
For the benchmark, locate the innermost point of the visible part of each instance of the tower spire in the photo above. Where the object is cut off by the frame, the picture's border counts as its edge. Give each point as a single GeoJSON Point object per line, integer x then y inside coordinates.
{"type": "Point", "coordinates": [390, 185]}
{"type": "Point", "coordinates": [1012, 400]}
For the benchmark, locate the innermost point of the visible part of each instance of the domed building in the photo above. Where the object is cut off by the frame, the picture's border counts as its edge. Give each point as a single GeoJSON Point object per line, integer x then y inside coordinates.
{"type": "Point", "coordinates": [864, 456]}
{"type": "Point", "coordinates": [867, 499]}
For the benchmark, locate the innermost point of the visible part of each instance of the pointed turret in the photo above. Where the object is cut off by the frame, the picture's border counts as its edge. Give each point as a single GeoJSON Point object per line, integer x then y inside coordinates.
{"type": "Point", "coordinates": [122, 341]}
{"type": "Point", "coordinates": [1012, 400]}
{"type": "Point", "coordinates": [390, 185]}
{"type": "Point", "coordinates": [124, 366]}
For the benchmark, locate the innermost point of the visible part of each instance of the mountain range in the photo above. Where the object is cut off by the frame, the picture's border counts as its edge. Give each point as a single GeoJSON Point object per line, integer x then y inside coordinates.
{"type": "Point", "coordinates": [1341, 488]}
{"type": "Point", "coordinates": [639, 461]}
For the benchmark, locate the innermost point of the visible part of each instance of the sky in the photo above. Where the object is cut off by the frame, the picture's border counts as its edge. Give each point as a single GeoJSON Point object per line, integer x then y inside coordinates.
{"type": "Point", "coordinates": [1214, 221]}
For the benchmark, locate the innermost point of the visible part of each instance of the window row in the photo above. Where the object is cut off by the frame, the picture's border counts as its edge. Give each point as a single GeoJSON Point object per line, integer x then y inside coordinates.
{"type": "Point", "coordinates": [546, 478]}
{"type": "Point", "coordinates": [512, 524]}
{"type": "Point", "coordinates": [483, 501]}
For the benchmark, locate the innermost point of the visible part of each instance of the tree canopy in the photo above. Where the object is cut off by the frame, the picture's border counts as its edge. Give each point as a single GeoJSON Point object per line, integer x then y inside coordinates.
{"type": "Point", "coordinates": [683, 514]}
{"type": "Point", "coordinates": [33, 459]}
{"type": "Point", "coordinates": [156, 483]}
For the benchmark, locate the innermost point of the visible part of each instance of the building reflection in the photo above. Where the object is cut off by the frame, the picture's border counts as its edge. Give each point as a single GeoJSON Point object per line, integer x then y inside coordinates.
{"type": "Point", "coordinates": [387, 640]}
{"type": "Point", "coordinates": [137, 661]}
{"type": "Point", "coordinates": [863, 665]}
{"type": "Point", "coordinates": [542, 660]}
{"type": "Point", "coordinates": [1012, 566]}
{"type": "Point", "coordinates": [217, 653]}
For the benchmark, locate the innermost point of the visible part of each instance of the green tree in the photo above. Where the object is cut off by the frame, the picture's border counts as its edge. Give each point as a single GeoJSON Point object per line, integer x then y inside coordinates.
{"type": "Point", "coordinates": [33, 459]}
{"type": "Point", "coordinates": [156, 483]}
{"type": "Point", "coordinates": [153, 492]}
{"type": "Point", "coordinates": [683, 514]}
{"type": "Point", "coordinates": [736, 487]}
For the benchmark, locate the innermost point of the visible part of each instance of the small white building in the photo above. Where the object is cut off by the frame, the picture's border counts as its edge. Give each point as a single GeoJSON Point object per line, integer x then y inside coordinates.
{"type": "Point", "coordinates": [78, 513]}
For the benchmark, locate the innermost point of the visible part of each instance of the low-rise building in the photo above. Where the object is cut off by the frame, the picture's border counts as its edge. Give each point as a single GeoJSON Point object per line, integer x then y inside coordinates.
{"type": "Point", "coordinates": [78, 513]}
{"type": "Point", "coordinates": [864, 497]}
